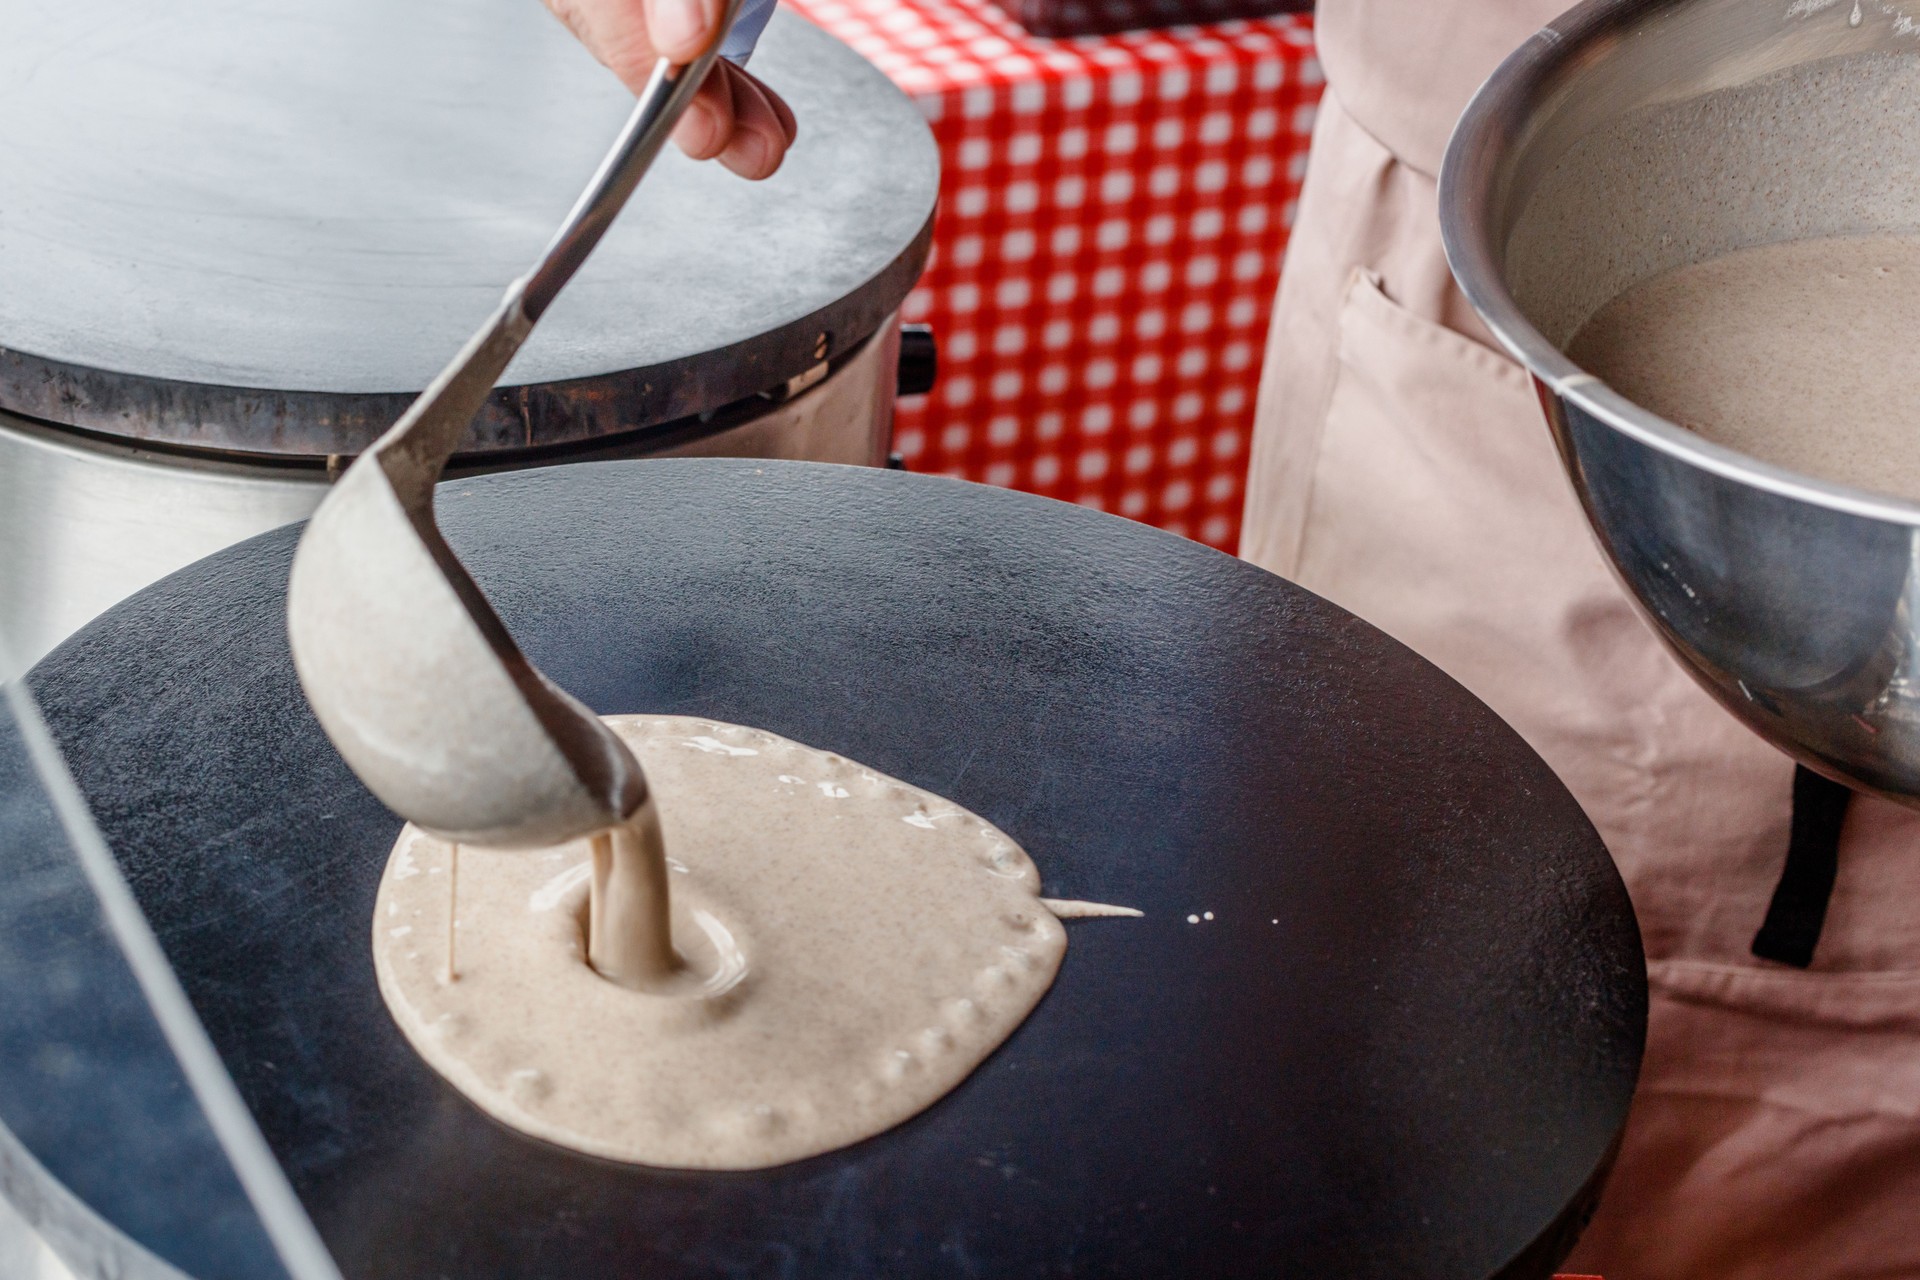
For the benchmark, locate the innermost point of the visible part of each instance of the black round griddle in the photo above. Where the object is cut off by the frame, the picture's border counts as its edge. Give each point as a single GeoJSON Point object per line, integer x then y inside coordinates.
{"type": "Point", "coordinates": [263, 226]}
{"type": "Point", "coordinates": [1401, 1045]}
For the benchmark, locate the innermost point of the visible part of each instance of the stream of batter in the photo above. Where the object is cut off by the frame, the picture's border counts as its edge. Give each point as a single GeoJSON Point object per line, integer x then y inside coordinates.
{"type": "Point", "coordinates": [852, 946]}
{"type": "Point", "coordinates": [1798, 353]}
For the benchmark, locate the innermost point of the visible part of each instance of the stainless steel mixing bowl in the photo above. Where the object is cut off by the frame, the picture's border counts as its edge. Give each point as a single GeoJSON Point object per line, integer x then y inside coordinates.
{"type": "Point", "coordinates": [1631, 136]}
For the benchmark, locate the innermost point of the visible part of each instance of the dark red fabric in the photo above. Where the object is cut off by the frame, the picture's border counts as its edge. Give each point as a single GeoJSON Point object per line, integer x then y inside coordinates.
{"type": "Point", "coordinates": [1092, 17]}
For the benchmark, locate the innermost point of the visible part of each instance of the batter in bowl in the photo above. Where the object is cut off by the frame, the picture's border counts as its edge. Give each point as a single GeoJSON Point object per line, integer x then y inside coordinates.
{"type": "Point", "coordinates": [1798, 353]}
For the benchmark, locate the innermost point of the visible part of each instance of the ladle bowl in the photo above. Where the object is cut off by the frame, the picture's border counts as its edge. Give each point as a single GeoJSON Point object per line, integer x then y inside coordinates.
{"type": "Point", "coordinates": [407, 666]}
{"type": "Point", "coordinates": [1623, 140]}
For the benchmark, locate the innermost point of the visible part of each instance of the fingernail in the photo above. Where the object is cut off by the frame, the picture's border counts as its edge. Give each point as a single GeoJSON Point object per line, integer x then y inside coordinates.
{"type": "Point", "coordinates": [678, 26]}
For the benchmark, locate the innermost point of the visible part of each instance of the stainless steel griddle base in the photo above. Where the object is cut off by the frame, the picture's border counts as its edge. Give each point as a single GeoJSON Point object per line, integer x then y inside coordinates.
{"type": "Point", "coordinates": [86, 522]}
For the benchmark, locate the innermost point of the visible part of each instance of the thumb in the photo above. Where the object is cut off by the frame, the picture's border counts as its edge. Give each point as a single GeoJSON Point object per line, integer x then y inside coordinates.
{"type": "Point", "coordinates": [681, 29]}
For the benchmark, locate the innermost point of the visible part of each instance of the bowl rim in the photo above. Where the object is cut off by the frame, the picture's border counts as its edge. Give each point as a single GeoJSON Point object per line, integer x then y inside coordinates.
{"type": "Point", "coordinates": [1485, 133]}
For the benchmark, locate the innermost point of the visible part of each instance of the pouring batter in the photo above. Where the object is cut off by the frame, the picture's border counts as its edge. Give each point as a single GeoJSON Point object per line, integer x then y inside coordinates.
{"type": "Point", "coordinates": [845, 948]}
{"type": "Point", "coordinates": [851, 948]}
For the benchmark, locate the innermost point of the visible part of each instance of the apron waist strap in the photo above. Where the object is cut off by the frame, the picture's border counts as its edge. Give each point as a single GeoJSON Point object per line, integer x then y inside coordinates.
{"type": "Point", "coordinates": [1799, 908]}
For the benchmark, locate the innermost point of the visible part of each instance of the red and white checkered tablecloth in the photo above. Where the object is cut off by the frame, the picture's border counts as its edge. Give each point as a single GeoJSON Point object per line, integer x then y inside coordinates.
{"type": "Point", "coordinates": [1113, 214]}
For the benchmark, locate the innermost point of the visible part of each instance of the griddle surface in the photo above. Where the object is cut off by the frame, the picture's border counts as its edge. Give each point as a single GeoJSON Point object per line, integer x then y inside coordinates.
{"type": "Point", "coordinates": [1402, 1045]}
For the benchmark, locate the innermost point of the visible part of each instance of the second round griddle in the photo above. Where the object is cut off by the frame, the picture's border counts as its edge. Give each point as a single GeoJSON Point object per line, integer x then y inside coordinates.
{"type": "Point", "coordinates": [263, 225]}
{"type": "Point", "coordinates": [1382, 1018]}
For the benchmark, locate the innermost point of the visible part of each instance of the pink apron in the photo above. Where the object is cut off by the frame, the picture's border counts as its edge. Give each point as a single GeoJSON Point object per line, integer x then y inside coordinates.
{"type": "Point", "coordinates": [1402, 469]}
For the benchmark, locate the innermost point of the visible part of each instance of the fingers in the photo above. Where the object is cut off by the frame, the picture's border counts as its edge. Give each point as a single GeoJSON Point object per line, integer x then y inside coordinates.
{"type": "Point", "coordinates": [763, 127]}
{"type": "Point", "coordinates": [733, 118]}
{"type": "Point", "coordinates": [707, 128]}
{"type": "Point", "coordinates": [739, 121]}
{"type": "Point", "coordinates": [789, 127]}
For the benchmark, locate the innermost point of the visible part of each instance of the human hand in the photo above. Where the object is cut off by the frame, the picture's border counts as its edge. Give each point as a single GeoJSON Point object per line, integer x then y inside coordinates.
{"type": "Point", "coordinates": [735, 118]}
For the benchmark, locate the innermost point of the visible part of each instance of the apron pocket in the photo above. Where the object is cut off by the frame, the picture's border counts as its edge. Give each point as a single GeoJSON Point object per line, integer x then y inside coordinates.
{"type": "Point", "coordinates": [1438, 510]}
{"type": "Point", "coordinates": [1440, 513]}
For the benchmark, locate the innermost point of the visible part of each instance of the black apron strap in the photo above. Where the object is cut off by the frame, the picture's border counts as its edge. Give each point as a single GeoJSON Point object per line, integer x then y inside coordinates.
{"type": "Point", "coordinates": [1799, 909]}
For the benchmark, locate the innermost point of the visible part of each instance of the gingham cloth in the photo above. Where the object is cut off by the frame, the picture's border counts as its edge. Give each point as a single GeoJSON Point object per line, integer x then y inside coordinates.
{"type": "Point", "coordinates": [1113, 213]}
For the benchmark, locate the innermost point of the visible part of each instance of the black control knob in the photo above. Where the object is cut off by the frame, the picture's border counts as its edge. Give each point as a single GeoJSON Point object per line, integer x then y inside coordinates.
{"type": "Point", "coordinates": [919, 360]}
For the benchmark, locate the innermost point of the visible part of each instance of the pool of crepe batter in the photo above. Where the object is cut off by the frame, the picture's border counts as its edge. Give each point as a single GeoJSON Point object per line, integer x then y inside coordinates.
{"type": "Point", "coordinates": [856, 946]}
{"type": "Point", "coordinates": [1801, 354]}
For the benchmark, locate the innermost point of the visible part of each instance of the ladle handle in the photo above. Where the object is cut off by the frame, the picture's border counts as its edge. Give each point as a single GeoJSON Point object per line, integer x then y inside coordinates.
{"type": "Point", "coordinates": [658, 110]}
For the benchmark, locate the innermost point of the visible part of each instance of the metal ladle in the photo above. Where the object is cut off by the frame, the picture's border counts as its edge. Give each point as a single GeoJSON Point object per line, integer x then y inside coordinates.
{"type": "Point", "coordinates": [412, 674]}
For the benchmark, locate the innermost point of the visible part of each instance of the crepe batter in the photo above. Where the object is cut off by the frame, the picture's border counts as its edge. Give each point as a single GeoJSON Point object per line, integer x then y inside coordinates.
{"type": "Point", "coordinates": [1799, 354]}
{"type": "Point", "coordinates": [854, 947]}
